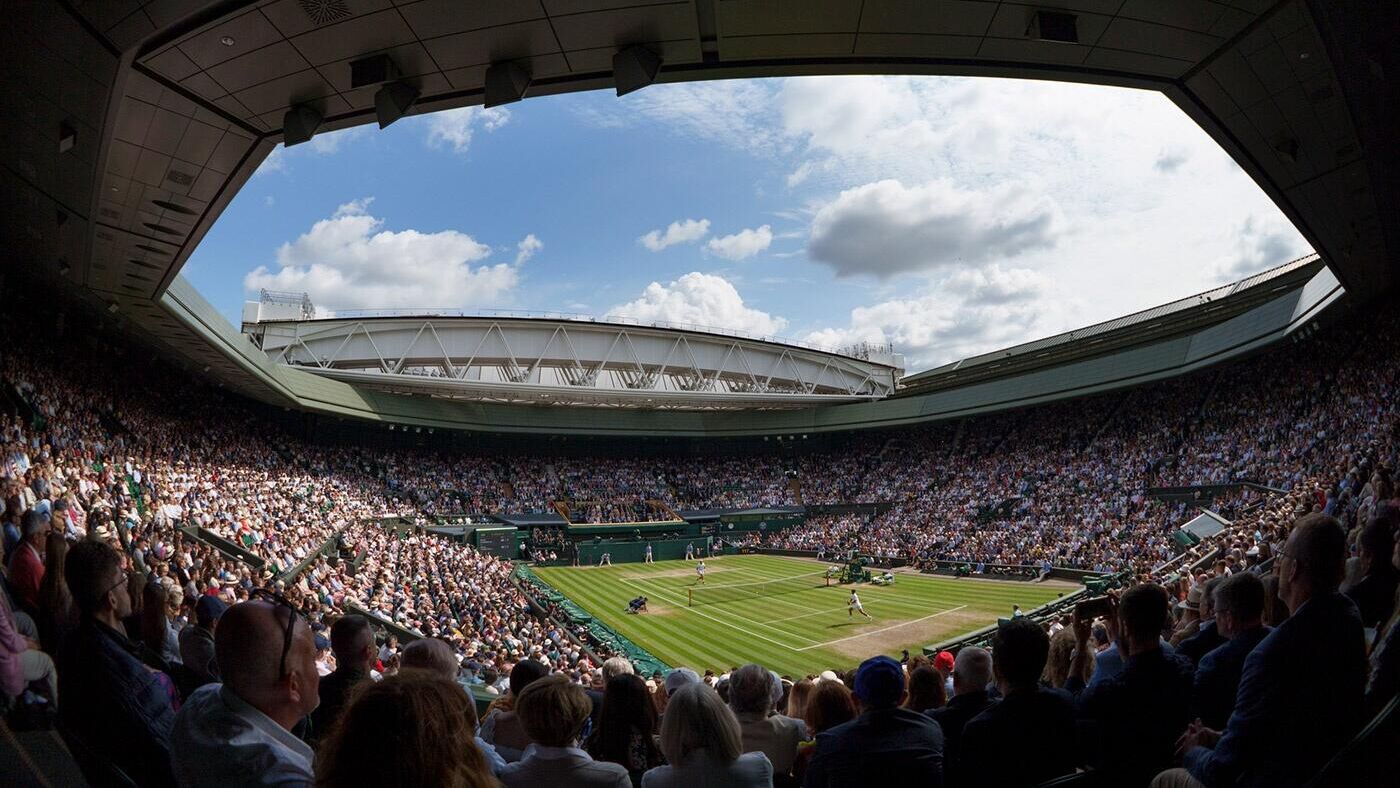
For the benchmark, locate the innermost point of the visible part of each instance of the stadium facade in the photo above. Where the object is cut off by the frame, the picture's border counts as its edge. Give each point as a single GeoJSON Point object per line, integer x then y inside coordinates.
{"type": "Point", "coordinates": [136, 123]}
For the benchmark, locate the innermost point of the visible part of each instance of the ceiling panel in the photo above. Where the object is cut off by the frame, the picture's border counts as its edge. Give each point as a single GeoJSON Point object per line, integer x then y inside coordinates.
{"type": "Point", "coordinates": [268, 63]}
{"type": "Point", "coordinates": [434, 18]}
{"type": "Point", "coordinates": [355, 37]}
{"type": "Point", "coordinates": [961, 17]}
{"type": "Point", "coordinates": [781, 17]}
{"type": "Point", "coordinates": [492, 45]}
{"type": "Point", "coordinates": [624, 26]}
{"type": "Point", "coordinates": [249, 32]}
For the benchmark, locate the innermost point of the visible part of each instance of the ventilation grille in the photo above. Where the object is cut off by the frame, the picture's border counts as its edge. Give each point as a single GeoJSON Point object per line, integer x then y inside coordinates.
{"type": "Point", "coordinates": [323, 12]}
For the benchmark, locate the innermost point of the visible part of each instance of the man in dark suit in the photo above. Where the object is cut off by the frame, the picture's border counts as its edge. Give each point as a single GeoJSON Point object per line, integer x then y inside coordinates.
{"type": "Point", "coordinates": [352, 642]}
{"type": "Point", "coordinates": [1132, 719]}
{"type": "Point", "coordinates": [1374, 593]}
{"type": "Point", "coordinates": [901, 746]}
{"type": "Point", "coordinates": [1037, 721]}
{"type": "Point", "coordinates": [1207, 635]}
{"type": "Point", "coordinates": [1239, 611]}
{"type": "Point", "coordinates": [972, 672]}
{"type": "Point", "coordinates": [1262, 744]}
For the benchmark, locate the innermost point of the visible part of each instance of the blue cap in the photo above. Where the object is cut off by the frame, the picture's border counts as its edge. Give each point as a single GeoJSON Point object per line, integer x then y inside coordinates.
{"type": "Point", "coordinates": [322, 644]}
{"type": "Point", "coordinates": [209, 608]}
{"type": "Point", "coordinates": [879, 681]}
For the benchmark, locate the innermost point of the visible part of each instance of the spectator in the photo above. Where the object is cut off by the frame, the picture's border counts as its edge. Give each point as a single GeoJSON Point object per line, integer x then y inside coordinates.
{"type": "Point", "coordinates": [432, 743]}
{"type": "Point", "coordinates": [114, 707]}
{"type": "Point", "coordinates": [1239, 611]}
{"type": "Point", "coordinates": [753, 692]}
{"type": "Point", "coordinates": [197, 641]}
{"type": "Point", "coordinates": [626, 728]}
{"type": "Point", "coordinates": [703, 746]}
{"type": "Point", "coordinates": [27, 563]}
{"type": "Point", "coordinates": [21, 661]}
{"type": "Point", "coordinates": [553, 711]}
{"type": "Point", "coordinates": [1135, 716]}
{"type": "Point", "coordinates": [926, 690]}
{"type": "Point", "coordinates": [1374, 593]}
{"type": "Point", "coordinates": [972, 674]}
{"type": "Point", "coordinates": [830, 705]}
{"type": "Point", "coordinates": [503, 728]}
{"type": "Point", "coordinates": [1207, 636]}
{"type": "Point", "coordinates": [797, 699]}
{"type": "Point", "coordinates": [157, 634]}
{"type": "Point", "coordinates": [1259, 744]}
{"type": "Point", "coordinates": [352, 641]}
{"type": "Point", "coordinates": [435, 656]}
{"type": "Point", "coordinates": [239, 732]}
{"type": "Point", "coordinates": [1057, 665]}
{"type": "Point", "coordinates": [905, 747]}
{"type": "Point", "coordinates": [57, 616]}
{"type": "Point", "coordinates": [1383, 682]}
{"type": "Point", "coordinates": [1039, 720]}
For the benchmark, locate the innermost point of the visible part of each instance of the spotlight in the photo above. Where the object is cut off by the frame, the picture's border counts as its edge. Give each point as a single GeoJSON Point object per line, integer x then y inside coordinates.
{"type": "Point", "coordinates": [393, 101]}
{"type": "Point", "coordinates": [300, 124]}
{"type": "Point", "coordinates": [505, 83]}
{"type": "Point", "coordinates": [372, 70]}
{"type": "Point", "coordinates": [112, 307]}
{"type": "Point", "coordinates": [634, 68]}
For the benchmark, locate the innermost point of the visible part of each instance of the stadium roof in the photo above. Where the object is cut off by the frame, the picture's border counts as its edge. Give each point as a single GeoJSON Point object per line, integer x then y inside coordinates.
{"type": "Point", "coordinates": [130, 124]}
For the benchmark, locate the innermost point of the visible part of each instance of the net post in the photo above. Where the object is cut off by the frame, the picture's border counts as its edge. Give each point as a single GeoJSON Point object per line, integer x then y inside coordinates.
{"type": "Point", "coordinates": [689, 598]}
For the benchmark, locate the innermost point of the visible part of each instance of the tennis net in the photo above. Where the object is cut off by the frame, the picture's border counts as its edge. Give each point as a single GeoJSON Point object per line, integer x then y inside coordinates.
{"type": "Point", "coordinates": [709, 595]}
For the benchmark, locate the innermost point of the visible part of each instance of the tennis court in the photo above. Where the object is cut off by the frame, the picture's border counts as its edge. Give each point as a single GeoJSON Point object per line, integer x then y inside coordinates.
{"type": "Point", "coordinates": [778, 611]}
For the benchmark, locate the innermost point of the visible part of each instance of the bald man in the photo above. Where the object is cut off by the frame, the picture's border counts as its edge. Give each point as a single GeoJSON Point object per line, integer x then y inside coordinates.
{"type": "Point", "coordinates": [238, 733]}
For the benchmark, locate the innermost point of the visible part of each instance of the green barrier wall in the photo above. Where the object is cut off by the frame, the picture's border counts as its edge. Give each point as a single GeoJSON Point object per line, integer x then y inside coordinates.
{"type": "Point", "coordinates": [635, 552]}
{"type": "Point", "coordinates": [640, 657]}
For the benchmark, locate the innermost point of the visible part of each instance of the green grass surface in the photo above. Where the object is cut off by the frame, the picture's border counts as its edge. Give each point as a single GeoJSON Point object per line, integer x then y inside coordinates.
{"type": "Point", "coordinates": [794, 633]}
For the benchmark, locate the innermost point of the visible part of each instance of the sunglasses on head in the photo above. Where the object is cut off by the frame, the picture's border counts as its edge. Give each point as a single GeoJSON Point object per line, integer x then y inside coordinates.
{"type": "Point", "coordinates": [293, 614]}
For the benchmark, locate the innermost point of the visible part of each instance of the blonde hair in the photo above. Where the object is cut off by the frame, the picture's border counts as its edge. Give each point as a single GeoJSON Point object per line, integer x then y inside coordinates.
{"type": "Point", "coordinates": [552, 710]}
{"type": "Point", "coordinates": [697, 719]}
{"type": "Point", "coordinates": [797, 698]}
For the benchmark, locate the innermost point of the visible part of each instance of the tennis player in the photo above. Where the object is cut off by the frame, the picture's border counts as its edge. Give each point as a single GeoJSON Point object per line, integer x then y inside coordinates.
{"type": "Point", "coordinates": [700, 573]}
{"type": "Point", "coordinates": [854, 606]}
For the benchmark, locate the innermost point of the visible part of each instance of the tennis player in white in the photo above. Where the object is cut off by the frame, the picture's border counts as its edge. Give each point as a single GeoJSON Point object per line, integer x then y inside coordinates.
{"type": "Point", "coordinates": [700, 573]}
{"type": "Point", "coordinates": [854, 606]}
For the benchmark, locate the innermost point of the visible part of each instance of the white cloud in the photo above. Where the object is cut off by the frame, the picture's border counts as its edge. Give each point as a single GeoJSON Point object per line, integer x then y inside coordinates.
{"type": "Point", "coordinates": [678, 232]}
{"type": "Point", "coordinates": [700, 299]}
{"type": "Point", "coordinates": [329, 142]}
{"type": "Point", "coordinates": [1260, 244]}
{"type": "Point", "coordinates": [276, 161]}
{"type": "Point", "coordinates": [454, 128]}
{"type": "Point", "coordinates": [739, 113]}
{"type": "Point", "coordinates": [967, 312]}
{"type": "Point", "coordinates": [1170, 160]}
{"type": "Point", "coordinates": [885, 228]}
{"type": "Point", "coordinates": [527, 248]}
{"type": "Point", "coordinates": [743, 244]}
{"type": "Point", "coordinates": [350, 261]}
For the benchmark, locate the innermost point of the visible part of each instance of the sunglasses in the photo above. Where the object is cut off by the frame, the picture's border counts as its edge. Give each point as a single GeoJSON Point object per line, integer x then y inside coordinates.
{"type": "Point", "coordinates": [293, 614]}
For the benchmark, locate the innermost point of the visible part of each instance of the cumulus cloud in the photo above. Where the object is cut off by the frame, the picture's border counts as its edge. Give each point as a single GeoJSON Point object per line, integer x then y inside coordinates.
{"type": "Point", "coordinates": [885, 228]}
{"type": "Point", "coordinates": [969, 311]}
{"type": "Point", "coordinates": [454, 128]}
{"type": "Point", "coordinates": [1261, 244]}
{"type": "Point", "coordinates": [527, 248]}
{"type": "Point", "coordinates": [743, 244]}
{"type": "Point", "coordinates": [349, 261]}
{"type": "Point", "coordinates": [678, 232]}
{"type": "Point", "coordinates": [730, 112]}
{"type": "Point", "coordinates": [699, 299]}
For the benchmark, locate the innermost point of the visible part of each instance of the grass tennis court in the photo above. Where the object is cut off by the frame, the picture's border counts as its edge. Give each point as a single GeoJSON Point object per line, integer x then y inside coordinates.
{"type": "Point", "coordinates": [796, 632]}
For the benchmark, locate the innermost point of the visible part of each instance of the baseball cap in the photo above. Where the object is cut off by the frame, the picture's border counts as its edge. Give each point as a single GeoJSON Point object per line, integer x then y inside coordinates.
{"type": "Point", "coordinates": [879, 681]}
{"type": "Point", "coordinates": [944, 661]}
{"type": "Point", "coordinates": [680, 677]}
{"type": "Point", "coordinates": [209, 608]}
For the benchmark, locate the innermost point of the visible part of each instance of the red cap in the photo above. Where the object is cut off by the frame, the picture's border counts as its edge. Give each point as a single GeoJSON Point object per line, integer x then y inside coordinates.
{"type": "Point", "coordinates": [944, 662]}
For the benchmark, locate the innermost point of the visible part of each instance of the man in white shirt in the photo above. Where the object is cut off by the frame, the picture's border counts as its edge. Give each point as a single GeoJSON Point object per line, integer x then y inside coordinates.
{"type": "Point", "coordinates": [238, 733]}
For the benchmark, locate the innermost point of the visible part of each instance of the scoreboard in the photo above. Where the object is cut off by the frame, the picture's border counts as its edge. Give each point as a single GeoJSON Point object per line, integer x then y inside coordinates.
{"type": "Point", "coordinates": [499, 542]}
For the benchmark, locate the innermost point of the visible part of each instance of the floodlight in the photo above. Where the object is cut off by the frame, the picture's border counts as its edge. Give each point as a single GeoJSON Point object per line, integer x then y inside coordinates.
{"type": "Point", "coordinates": [505, 83]}
{"type": "Point", "coordinates": [300, 124]}
{"type": "Point", "coordinates": [393, 101]}
{"type": "Point", "coordinates": [634, 68]}
{"type": "Point", "coordinates": [1054, 26]}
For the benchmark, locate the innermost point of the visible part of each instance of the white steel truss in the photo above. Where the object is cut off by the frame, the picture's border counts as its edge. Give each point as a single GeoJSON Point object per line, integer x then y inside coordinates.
{"type": "Point", "coordinates": [567, 362]}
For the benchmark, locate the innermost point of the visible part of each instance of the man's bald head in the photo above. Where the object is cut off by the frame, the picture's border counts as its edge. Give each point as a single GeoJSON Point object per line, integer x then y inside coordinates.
{"type": "Point", "coordinates": [432, 655]}
{"type": "Point", "coordinates": [248, 647]}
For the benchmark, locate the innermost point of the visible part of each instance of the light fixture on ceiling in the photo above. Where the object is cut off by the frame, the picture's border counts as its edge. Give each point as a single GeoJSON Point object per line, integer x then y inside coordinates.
{"type": "Point", "coordinates": [67, 137]}
{"type": "Point", "coordinates": [300, 124]}
{"type": "Point", "coordinates": [634, 68]}
{"type": "Point", "coordinates": [506, 83]}
{"type": "Point", "coordinates": [112, 307]}
{"type": "Point", "coordinates": [206, 368]}
{"type": "Point", "coordinates": [227, 41]}
{"type": "Point", "coordinates": [1053, 26]}
{"type": "Point", "coordinates": [393, 101]}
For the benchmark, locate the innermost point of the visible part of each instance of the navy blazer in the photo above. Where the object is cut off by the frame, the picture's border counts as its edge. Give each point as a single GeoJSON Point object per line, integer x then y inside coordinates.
{"type": "Point", "coordinates": [1205, 640]}
{"type": "Point", "coordinates": [1024, 739]}
{"type": "Point", "coordinates": [1287, 721]}
{"type": "Point", "coordinates": [903, 747]}
{"type": "Point", "coordinates": [951, 719]}
{"type": "Point", "coordinates": [1218, 677]}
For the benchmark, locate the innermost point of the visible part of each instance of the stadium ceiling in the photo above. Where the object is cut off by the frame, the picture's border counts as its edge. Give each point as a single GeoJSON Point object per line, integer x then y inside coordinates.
{"type": "Point", "coordinates": [130, 124]}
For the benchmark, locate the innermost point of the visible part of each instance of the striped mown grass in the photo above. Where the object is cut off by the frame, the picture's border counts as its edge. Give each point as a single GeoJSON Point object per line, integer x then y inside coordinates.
{"type": "Point", "coordinates": [794, 633]}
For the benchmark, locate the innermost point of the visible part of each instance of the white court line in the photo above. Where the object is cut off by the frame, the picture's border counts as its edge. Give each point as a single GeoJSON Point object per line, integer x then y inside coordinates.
{"type": "Point", "coordinates": [885, 629]}
{"type": "Point", "coordinates": [689, 609]}
{"type": "Point", "coordinates": [804, 615]}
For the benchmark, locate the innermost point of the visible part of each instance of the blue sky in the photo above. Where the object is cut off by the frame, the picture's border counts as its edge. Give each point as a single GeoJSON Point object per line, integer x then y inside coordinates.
{"type": "Point", "coordinates": [948, 216]}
